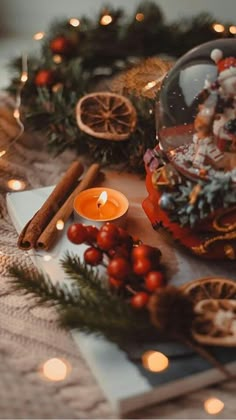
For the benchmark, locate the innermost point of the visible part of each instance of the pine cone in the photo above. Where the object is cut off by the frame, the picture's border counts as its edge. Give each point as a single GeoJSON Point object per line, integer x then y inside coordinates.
{"type": "Point", "coordinates": [171, 312]}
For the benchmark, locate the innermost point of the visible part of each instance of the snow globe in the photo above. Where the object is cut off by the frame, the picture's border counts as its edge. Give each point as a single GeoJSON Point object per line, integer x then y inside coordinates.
{"type": "Point", "coordinates": [191, 174]}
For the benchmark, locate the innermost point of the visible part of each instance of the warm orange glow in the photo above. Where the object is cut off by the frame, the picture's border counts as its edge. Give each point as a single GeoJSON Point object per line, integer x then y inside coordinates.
{"type": "Point", "coordinates": [139, 17]}
{"type": "Point", "coordinates": [155, 361]}
{"type": "Point", "coordinates": [60, 225]}
{"type": "Point", "coordinates": [218, 27]}
{"type": "Point", "coordinates": [74, 22]}
{"type": "Point", "coordinates": [57, 58]}
{"type": "Point", "coordinates": [55, 369]}
{"type": "Point", "coordinates": [106, 20]}
{"type": "Point", "coordinates": [102, 199]}
{"type": "Point", "coordinates": [2, 153]}
{"type": "Point", "coordinates": [24, 76]}
{"type": "Point", "coordinates": [38, 35]}
{"type": "Point", "coordinates": [213, 406]}
{"type": "Point", "coordinates": [16, 184]}
{"type": "Point", "coordinates": [232, 29]}
{"type": "Point", "coordinates": [16, 114]}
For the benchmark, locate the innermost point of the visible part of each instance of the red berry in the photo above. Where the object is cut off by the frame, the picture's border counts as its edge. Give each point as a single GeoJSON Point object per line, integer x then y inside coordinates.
{"type": "Point", "coordinates": [92, 233]}
{"type": "Point", "coordinates": [125, 238]}
{"type": "Point", "coordinates": [139, 300]}
{"type": "Point", "coordinates": [106, 240]}
{"type": "Point", "coordinates": [44, 78]}
{"type": "Point", "coordinates": [154, 280]}
{"type": "Point", "coordinates": [146, 251]}
{"type": "Point", "coordinates": [142, 266]}
{"type": "Point", "coordinates": [61, 45]}
{"type": "Point", "coordinates": [93, 256]}
{"type": "Point", "coordinates": [116, 283]}
{"type": "Point", "coordinates": [110, 227]}
{"type": "Point", "coordinates": [122, 251]}
{"type": "Point", "coordinates": [119, 268]}
{"type": "Point", "coordinates": [77, 233]}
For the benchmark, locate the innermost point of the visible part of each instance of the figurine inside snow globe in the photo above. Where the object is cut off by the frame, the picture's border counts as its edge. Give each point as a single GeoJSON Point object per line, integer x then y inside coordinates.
{"type": "Point", "coordinates": [196, 114]}
{"type": "Point", "coordinates": [191, 174]}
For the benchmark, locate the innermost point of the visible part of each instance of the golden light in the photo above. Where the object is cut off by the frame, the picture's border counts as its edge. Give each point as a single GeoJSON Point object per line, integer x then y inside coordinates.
{"type": "Point", "coordinates": [74, 22]}
{"type": "Point", "coordinates": [106, 20]}
{"type": "Point", "coordinates": [38, 36]}
{"type": "Point", "coordinates": [155, 361]}
{"type": "Point", "coordinates": [139, 17]}
{"type": "Point", "coordinates": [16, 114]}
{"type": "Point", "coordinates": [16, 184]}
{"type": "Point", "coordinates": [2, 153]}
{"type": "Point", "coordinates": [232, 29]}
{"type": "Point", "coordinates": [24, 76]}
{"type": "Point", "coordinates": [60, 225]}
{"type": "Point", "coordinates": [57, 58]}
{"type": "Point", "coordinates": [213, 406]}
{"type": "Point", "coordinates": [102, 199]}
{"type": "Point", "coordinates": [47, 257]}
{"type": "Point", "coordinates": [55, 369]}
{"type": "Point", "coordinates": [218, 27]}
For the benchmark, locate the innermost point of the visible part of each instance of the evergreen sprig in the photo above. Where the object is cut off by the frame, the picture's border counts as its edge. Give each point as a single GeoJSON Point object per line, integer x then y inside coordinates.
{"type": "Point", "coordinates": [85, 302]}
{"type": "Point", "coordinates": [99, 52]}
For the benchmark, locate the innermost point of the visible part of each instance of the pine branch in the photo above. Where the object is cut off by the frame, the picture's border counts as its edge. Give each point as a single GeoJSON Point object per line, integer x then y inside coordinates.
{"type": "Point", "coordinates": [40, 286]}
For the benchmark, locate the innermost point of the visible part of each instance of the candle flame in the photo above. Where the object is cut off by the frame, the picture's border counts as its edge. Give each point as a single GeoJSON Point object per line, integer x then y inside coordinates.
{"type": "Point", "coordinates": [102, 199]}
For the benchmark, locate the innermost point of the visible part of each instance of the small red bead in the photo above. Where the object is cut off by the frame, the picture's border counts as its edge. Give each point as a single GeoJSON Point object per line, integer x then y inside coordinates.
{"type": "Point", "coordinates": [106, 240]}
{"type": "Point", "coordinates": [116, 283]}
{"type": "Point", "coordinates": [92, 232]}
{"type": "Point", "coordinates": [119, 268]}
{"type": "Point", "coordinates": [139, 300]}
{"type": "Point", "coordinates": [93, 256]}
{"type": "Point", "coordinates": [154, 280]}
{"type": "Point", "coordinates": [142, 266]}
{"type": "Point", "coordinates": [77, 233]}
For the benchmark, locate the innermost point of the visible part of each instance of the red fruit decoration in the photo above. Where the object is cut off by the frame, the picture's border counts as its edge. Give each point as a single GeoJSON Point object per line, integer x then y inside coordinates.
{"type": "Point", "coordinates": [139, 300]}
{"type": "Point", "coordinates": [77, 233]}
{"type": "Point", "coordinates": [116, 283]}
{"type": "Point", "coordinates": [92, 233]}
{"type": "Point", "coordinates": [93, 256]}
{"type": "Point", "coordinates": [146, 251]}
{"type": "Point", "coordinates": [44, 78]}
{"type": "Point", "coordinates": [142, 266]}
{"type": "Point", "coordinates": [61, 45]}
{"type": "Point", "coordinates": [154, 280]}
{"type": "Point", "coordinates": [106, 239]}
{"type": "Point", "coordinates": [119, 268]}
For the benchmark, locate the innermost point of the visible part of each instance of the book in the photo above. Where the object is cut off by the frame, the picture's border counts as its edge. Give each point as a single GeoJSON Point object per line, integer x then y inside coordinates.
{"type": "Point", "coordinates": [126, 383]}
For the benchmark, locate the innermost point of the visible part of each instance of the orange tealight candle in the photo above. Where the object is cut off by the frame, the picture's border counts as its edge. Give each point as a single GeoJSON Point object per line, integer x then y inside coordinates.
{"type": "Point", "coordinates": [100, 205]}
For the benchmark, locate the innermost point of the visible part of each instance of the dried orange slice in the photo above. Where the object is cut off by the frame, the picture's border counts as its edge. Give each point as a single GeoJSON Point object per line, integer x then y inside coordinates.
{"type": "Point", "coordinates": [106, 116]}
{"type": "Point", "coordinates": [214, 302]}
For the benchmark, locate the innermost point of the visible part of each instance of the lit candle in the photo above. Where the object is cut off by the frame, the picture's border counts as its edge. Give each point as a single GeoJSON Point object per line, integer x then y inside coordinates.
{"type": "Point", "coordinates": [100, 205]}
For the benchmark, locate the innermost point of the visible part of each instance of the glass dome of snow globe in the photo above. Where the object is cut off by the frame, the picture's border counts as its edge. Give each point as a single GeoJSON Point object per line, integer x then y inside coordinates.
{"type": "Point", "coordinates": [196, 111]}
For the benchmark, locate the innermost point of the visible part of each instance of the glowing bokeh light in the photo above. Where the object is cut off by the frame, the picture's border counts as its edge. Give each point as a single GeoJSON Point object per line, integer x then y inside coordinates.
{"type": "Point", "coordinates": [232, 29]}
{"type": "Point", "coordinates": [38, 36]}
{"type": "Point", "coordinates": [106, 20]}
{"type": "Point", "coordinates": [60, 225]}
{"type": "Point", "coordinates": [47, 257]}
{"type": "Point", "coordinates": [16, 184]}
{"type": "Point", "coordinates": [155, 361]}
{"type": "Point", "coordinates": [213, 406]}
{"type": "Point", "coordinates": [2, 153]}
{"type": "Point", "coordinates": [139, 17]}
{"type": "Point", "coordinates": [55, 369]}
{"type": "Point", "coordinates": [74, 22]}
{"type": "Point", "coordinates": [218, 27]}
{"type": "Point", "coordinates": [57, 58]}
{"type": "Point", "coordinates": [24, 77]}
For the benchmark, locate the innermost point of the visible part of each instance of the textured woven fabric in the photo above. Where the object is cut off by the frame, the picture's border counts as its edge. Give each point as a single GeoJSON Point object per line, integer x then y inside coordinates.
{"type": "Point", "coordinates": [30, 335]}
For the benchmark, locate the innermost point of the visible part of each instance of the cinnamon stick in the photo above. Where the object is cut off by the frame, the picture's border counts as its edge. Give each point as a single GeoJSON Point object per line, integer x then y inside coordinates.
{"type": "Point", "coordinates": [33, 229]}
{"type": "Point", "coordinates": [48, 236]}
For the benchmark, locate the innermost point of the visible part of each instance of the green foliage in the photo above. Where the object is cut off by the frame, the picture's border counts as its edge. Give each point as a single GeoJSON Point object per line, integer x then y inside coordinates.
{"type": "Point", "coordinates": [99, 52]}
{"type": "Point", "coordinates": [85, 302]}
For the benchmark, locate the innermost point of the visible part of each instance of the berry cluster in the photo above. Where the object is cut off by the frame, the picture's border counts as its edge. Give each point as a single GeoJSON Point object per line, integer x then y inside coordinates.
{"type": "Point", "coordinates": [133, 268]}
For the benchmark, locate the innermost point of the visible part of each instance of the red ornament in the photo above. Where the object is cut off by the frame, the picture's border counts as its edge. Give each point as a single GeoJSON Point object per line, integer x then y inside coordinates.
{"type": "Point", "coordinates": [92, 233]}
{"type": "Point", "coordinates": [93, 256]}
{"type": "Point", "coordinates": [77, 233]}
{"type": "Point", "coordinates": [106, 240]}
{"type": "Point", "coordinates": [124, 237]}
{"type": "Point", "coordinates": [110, 227]}
{"type": "Point", "coordinates": [119, 268]}
{"type": "Point", "coordinates": [142, 266]}
{"type": "Point", "coordinates": [61, 45]}
{"type": "Point", "coordinates": [44, 78]}
{"type": "Point", "coordinates": [139, 300]}
{"type": "Point", "coordinates": [154, 280]}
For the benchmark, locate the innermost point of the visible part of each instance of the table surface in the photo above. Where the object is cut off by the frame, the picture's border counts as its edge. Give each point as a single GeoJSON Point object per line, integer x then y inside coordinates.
{"type": "Point", "coordinates": [30, 335]}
